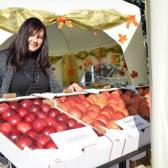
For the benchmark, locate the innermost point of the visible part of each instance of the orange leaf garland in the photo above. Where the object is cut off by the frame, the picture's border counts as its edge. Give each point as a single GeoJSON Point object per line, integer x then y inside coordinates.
{"type": "Point", "coordinates": [122, 38]}
{"type": "Point", "coordinates": [61, 20]}
{"type": "Point", "coordinates": [131, 19]}
{"type": "Point", "coordinates": [134, 74]}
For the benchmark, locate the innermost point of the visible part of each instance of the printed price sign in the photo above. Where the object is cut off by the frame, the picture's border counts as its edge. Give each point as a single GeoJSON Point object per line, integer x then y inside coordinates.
{"type": "Point", "coordinates": [78, 138]}
{"type": "Point", "coordinates": [133, 122]}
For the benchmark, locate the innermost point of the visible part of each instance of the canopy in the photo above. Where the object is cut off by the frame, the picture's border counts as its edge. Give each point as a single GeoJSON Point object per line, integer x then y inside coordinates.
{"type": "Point", "coordinates": [116, 18]}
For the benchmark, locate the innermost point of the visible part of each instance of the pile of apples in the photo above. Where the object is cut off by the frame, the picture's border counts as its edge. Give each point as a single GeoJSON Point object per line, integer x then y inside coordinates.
{"type": "Point", "coordinates": [29, 123]}
{"type": "Point", "coordinates": [101, 110]}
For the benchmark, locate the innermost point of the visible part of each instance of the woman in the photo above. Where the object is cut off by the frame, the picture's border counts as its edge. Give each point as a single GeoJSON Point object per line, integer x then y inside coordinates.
{"type": "Point", "coordinates": [24, 66]}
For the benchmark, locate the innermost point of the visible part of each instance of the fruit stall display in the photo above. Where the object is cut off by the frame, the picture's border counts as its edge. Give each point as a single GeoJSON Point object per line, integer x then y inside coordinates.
{"type": "Point", "coordinates": [29, 125]}
{"type": "Point", "coordinates": [103, 109]}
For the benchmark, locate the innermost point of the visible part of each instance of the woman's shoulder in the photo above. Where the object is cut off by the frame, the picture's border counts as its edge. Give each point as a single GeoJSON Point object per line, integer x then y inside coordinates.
{"type": "Point", "coordinates": [4, 55]}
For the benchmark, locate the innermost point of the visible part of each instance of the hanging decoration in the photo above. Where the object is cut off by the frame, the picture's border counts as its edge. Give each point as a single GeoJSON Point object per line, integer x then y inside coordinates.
{"type": "Point", "coordinates": [61, 20]}
{"type": "Point", "coordinates": [131, 19]}
{"type": "Point", "coordinates": [134, 74]}
{"type": "Point", "coordinates": [122, 38]}
{"type": "Point", "coordinates": [12, 18]}
{"type": "Point", "coordinates": [69, 70]}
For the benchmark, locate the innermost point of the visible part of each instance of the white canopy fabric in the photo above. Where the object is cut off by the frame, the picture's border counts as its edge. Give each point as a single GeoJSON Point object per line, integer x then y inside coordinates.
{"type": "Point", "coordinates": [71, 40]}
{"type": "Point", "coordinates": [64, 6]}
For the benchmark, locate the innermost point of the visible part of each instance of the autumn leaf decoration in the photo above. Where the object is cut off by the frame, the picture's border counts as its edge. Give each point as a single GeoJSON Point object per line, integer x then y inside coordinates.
{"type": "Point", "coordinates": [122, 38]}
{"type": "Point", "coordinates": [61, 20]}
{"type": "Point", "coordinates": [134, 74]}
{"type": "Point", "coordinates": [122, 72]}
{"type": "Point", "coordinates": [131, 19]}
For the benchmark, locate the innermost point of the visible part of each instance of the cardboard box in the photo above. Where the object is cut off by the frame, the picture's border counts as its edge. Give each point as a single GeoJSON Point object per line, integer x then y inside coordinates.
{"type": "Point", "coordinates": [137, 131]}
{"type": "Point", "coordinates": [80, 147]}
{"type": "Point", "coordinates": [126, 140]}
{"type": "Point", "coordinates": [86, 156]}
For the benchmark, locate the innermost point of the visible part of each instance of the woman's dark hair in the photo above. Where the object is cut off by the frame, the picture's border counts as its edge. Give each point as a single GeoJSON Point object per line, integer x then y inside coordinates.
{"type": "Point", "coordinates": [18, 50]}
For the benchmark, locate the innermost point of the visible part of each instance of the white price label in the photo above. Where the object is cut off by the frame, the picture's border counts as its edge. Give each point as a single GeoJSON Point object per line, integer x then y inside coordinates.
{"type": "Point", "coordinates": [94, 91]}
{"type": "Point", "coordinates": [133, 122]}
{"type": "Point", "coordinates": [78, 138]}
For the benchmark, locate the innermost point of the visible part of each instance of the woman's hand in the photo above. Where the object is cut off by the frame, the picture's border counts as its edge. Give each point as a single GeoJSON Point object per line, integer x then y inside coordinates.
{"type": "Point", "coordinates": [73, 88]}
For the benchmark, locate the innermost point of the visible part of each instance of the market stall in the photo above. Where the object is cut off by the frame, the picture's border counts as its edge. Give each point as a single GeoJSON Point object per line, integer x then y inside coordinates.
{"type": "Point", "coordinates": [93, 141]}
{"type": "Point", "coordinates": [121, 22]}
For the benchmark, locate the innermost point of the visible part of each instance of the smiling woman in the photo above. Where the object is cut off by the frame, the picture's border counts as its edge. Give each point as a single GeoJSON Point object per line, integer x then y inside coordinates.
{"type": "Point", "coordinates": [35, 40]}
{"type": "Point", "coordinates": [24, 65]}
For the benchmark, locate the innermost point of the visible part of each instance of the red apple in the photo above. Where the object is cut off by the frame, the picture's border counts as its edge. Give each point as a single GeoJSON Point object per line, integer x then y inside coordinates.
{"type": "Point", "coordinates": [45, 107]}
{"type": "Point", "coordinates": [81, 106]}
{"type": "Point", "coordinates": [92, 98]}
{"type": "Point", "coordinates": [65, 106]}
{"type": "Point", "coordinates": [86, 103]}
{"type": "Point", "coordinates": [3, 107]}
{"type": "Point", "coordinates": [23, 127]}
{"type": "Point", "coordinates": [61, 126]}
{"type": "Point", "coordinates": [62, 117]}
{"type": "Point", "coordinates": [79, 125]}
{"type": "Point", "coordinates": [112, 125]}
{"type": "Point", "coordinates": [30, 117]}
{"type": "Point", "coordinates": [53, 112]}
{"type": "Point", "coordinates": [42, 115]}
{"type": "Point", "coordinates": [127, 100]}
{"type": "Point", "coordinates": [95, 107]}
{"type": "Point", "coordinates": [108, 111]}
{"type": "Point", "coordinates": [14, 105]}
{"type": "Point", "coordinates": [35, 108]}
{"type": "Point", "coordinates": [25, 103]}
{"type": "Point", "coordinates": [41, 140]}
{"type": "Point", "coordinates": [71, 122]}
{"type": "Point", "coordinates": [7, 113]}
{"type": "Point", "coordinates": [50, 145]}
{"type": "Point", "coordinates": [81, 97]}
{"type": "Point", "coordinates": [51, 121]}
{"type": "Point", "coordinates": [98, 126]}
{"type": "Point", "coordinates": [48, 130]}
{"type": "Point", "coordinates": [87, 119]}
{"type": "Point", "coordinates": [103, 118]}
{"type": "Point", "coordinates": [106, 94]}
{"type": "Point", "coordinates": [118, 115]}
{"type": "Point", "coordinates": [62, 98]}
{"type": "Point", "coordinates": [22, 111]}
{"type": "Point", "coordinates": [93, 113]}
{"type": "Point", "coordinates": [5, 128]}
{"type": "Point", "coordinates": [37, 101]}
{"type": "Point", "coordinates": [24, 141]}
{"type": "Point", "coordinates": [32, 133]}
{"type": "Point", "coordinates": [39, 124]}
{"type": "Point", "coordinates": [76, 112]}
{"type": "Point", "coordinates": [14, 135]}
{"type": "Point", "coordinates": [14, 119]}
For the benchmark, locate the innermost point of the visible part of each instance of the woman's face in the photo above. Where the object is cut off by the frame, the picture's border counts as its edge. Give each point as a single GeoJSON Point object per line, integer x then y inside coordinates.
{"type": "Point", "coordinates": [35, 40]}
